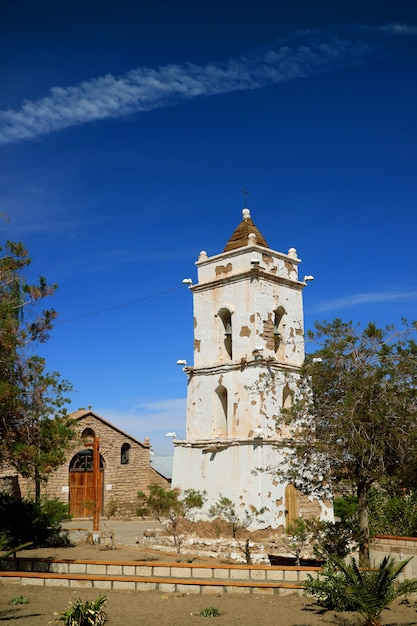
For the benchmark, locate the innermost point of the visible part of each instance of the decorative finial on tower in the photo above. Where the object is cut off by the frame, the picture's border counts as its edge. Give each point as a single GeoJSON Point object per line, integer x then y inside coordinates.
{"type": "Point", "coordinates": [246, 214]}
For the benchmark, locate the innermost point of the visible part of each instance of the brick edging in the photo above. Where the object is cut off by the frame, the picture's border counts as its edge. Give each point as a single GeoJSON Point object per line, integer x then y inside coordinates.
{"type": "Point", "coordinates": [152, 579]}
{"type": "Point", "coordinates": [198, 578]}
{"type": "Point", "coordinates": [170, 564]}
{"type": "Point", "coordinates": [394, 537]}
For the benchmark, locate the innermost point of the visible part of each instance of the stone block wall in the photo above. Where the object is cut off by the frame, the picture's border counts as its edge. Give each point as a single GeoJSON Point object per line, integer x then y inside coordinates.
{"type": "Point", "coordinates": [121, 481]}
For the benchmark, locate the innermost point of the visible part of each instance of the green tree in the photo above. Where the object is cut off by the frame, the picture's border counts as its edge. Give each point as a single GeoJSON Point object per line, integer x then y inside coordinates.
{"type": "Point", "coordinates": [354, 415]}
{"type": "Point", "coordinates": [174, 511]}
{"type": "Point", "coordinates": [238, 523]}
{"type": "Point", "coordinates": [48, 431]}
{"type": "Point", "coordinates": [34, 427]}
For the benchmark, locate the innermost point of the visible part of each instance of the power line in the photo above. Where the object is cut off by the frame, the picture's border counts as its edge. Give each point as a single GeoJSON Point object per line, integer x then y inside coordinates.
{"type": "Point", "coordinates": [119, 306]}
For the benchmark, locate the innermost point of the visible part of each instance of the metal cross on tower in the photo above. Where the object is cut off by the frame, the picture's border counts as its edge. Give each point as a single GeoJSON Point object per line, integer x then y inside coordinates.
{"type": "Point", "coordinates": [245, 194]}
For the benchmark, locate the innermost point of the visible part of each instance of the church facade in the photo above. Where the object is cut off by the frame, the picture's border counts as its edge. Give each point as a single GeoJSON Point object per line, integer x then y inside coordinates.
{"type": "Point", "coordinates": [125, 467]}
{"type": "Point", "coordinates": [248, 350]}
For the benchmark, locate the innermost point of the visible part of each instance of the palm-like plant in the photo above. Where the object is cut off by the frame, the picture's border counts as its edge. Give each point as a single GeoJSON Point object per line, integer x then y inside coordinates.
{"type": "Point", "coordinates": [372, 590]}
{"type": "Point", "coordinates": [88, 613]}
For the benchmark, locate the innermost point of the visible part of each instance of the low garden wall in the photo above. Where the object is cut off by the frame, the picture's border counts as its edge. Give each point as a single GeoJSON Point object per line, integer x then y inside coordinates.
{"type": "Point", "coordinates": [401, 548]}
{"type": "Point", "coordinates": [146, 576]}
{"type": "Point", "coordinates": [186, 577]}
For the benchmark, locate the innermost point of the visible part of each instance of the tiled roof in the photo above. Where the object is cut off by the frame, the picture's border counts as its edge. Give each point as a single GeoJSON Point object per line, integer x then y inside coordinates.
{"type": "Point", "coordinates": [239, 239]}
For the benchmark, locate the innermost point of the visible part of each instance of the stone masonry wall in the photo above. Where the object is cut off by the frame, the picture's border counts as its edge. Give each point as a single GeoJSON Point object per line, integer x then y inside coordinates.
{"type": "Point", "coordinates": [121, 481]}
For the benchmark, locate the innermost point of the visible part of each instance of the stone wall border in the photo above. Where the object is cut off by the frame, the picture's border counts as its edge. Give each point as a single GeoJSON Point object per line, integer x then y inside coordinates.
{"type": "Point", "coordinates": [167, 577]}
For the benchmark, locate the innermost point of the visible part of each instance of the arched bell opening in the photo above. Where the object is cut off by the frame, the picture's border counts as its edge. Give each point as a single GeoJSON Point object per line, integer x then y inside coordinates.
{"type": "Point", "coordinates": [226, 333]}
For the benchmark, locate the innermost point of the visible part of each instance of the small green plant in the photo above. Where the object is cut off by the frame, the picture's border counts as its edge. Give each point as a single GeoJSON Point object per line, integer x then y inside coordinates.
{"type": "Point", "coordinates": [210, 611]}
{"type": "Point", "coordinates": [19, 600]}
{"type": "Point", "coordinates": [112, 507]}
{"type": "Point", "coordinates": [87, 613]}
{"type": "Point", "coordinates": [329, 589]}
{"type": "Point", "coordinates": [296, 538]}
{"type": "Point", "coordinates": [238, 523]}
{"type": "Point", "coordinates": [174, 510]}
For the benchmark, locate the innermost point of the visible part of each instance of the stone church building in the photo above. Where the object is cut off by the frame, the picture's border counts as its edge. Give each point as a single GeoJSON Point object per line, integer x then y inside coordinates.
{"type": "Point", "coordinates": [125, 469]}
{"type": "Point", "coordinates": [248, 350]}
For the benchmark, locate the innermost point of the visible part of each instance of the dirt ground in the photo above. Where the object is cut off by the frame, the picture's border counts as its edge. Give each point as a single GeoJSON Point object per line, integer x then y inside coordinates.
{"type": "Point", "coordinates": [85, 551]}
{"type": "Point", "coordinates": [150, 608]}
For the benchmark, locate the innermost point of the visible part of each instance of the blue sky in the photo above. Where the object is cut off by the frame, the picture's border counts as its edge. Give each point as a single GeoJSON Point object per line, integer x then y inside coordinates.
{"type": "Point", "coordinates": [128, 129]}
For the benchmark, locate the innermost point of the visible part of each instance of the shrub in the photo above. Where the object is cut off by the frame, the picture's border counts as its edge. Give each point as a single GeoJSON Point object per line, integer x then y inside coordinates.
{"type": "Point", "coordinates": [324, 537]}
{"type": "Point", "coordinates": [368, 591]}
{"type": "Point", "coordinates": [27, 521]}
{"type": "Point", "coordinates": [210, 611]}
{"type": "Point", "coordinates": [88, 613]}
{"type": "Point", "coordinates": [19, 600]}
{"type": "Point", "coordinates": [332, 538]}
{"type": "Point", "coordinates": [238, 522]}
{"type": "Point", "coordinates": [388, 515]}
{"type": "Point", "coordinates": [175, 511]}
{"type": "Point", "coordinates": [112, 507]}
{"type": "Point", "coordinates": [329, 588]}
{"type": "Point", "coordinates": [392, 515]}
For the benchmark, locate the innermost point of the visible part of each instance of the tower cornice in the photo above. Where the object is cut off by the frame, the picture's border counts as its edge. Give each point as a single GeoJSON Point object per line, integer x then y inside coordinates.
{"type": "Point", "coordinates": [203, 259]}
{"type": "Point", "coordinates": [269, 364]}
{"type": "Point", "coordinates": [215, 445]}
{"type": "Point", "coordinates": [250, 274]}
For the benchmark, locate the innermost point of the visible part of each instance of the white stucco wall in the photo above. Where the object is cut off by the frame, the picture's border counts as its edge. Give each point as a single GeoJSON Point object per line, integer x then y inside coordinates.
{"type": "Point", "coordinates": [229, 468]}
{"type": "Point", "coordinates": [251, 292]}
{"type": "Point", "coordinates": [243, 374]}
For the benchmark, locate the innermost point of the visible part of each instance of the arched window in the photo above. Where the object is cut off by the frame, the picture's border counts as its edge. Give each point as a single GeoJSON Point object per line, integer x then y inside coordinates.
{"type": "Point", "coordinates": [124, 454]}
{"type": "Point", "coordinates": [279, 316]}
{"type": "Point", "coordinates": [225, 332]}
{"type": "Point", "coordinates": [220, 412]}
{"type": "Point", "coordinates": [88, 433]}
{"type": "Point", "coordinates": [82, 461]}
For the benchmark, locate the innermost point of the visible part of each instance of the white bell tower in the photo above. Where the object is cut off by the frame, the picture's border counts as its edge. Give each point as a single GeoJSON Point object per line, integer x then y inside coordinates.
{"type": "Point", "coordinates": [248, 348]}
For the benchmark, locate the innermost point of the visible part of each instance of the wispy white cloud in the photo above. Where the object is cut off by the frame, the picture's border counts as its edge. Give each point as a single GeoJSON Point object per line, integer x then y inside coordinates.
{"type": "Point", "coordinates": [364, 298]}
{"type": "Point", "coordinates": [145, 89]}
{"type": "Point", "coordinates": [398, 29]}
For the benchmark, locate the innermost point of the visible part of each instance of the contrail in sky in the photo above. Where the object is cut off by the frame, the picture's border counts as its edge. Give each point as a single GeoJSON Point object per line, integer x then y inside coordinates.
{"type": "Point", "coordinates": [145, 89]}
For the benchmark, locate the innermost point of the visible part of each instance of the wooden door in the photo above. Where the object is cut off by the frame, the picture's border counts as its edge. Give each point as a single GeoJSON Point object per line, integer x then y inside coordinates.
{"type": "Point", "coordinates": [81, 495]}
{"type": "Point", "coordinates": [291, 504]}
